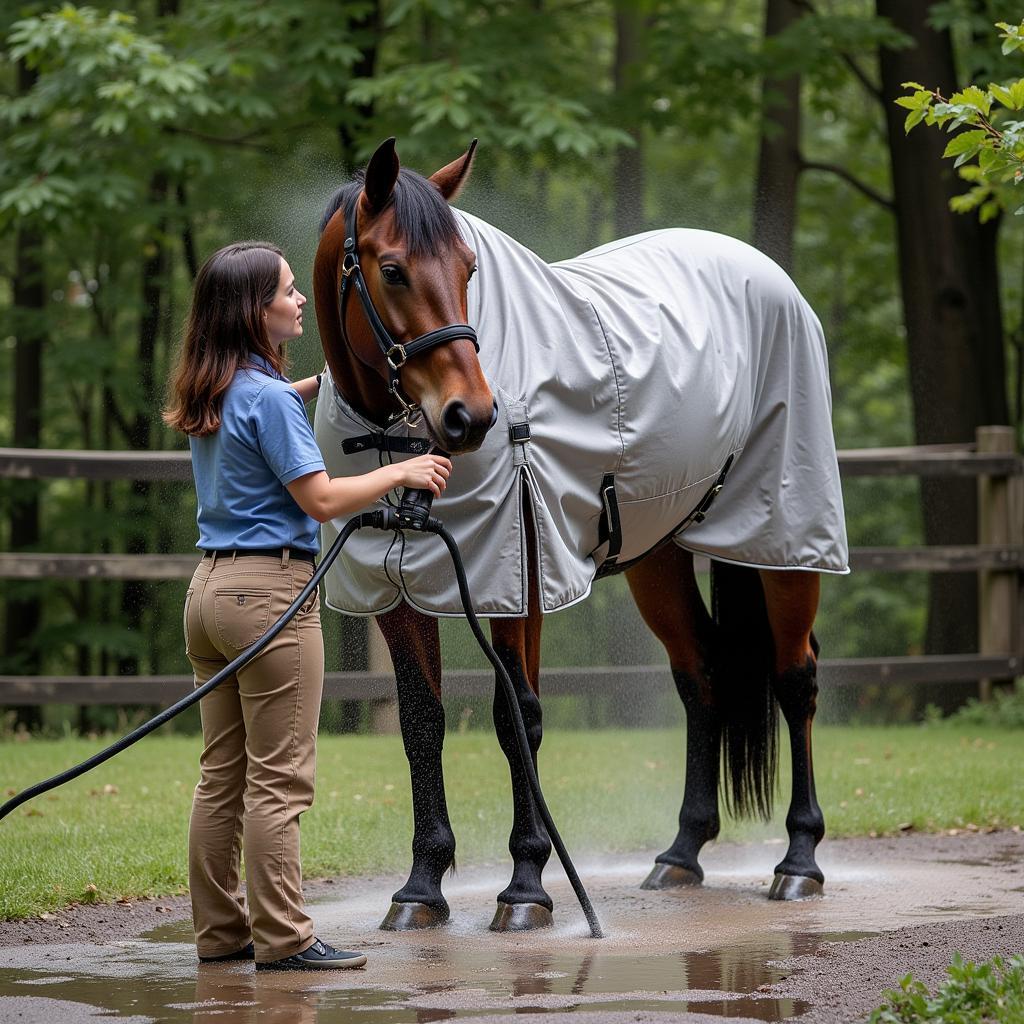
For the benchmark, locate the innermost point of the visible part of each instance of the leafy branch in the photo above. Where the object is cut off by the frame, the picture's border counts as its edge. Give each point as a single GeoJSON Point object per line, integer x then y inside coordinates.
{"type": "Point", "coordinates": [993, 139]}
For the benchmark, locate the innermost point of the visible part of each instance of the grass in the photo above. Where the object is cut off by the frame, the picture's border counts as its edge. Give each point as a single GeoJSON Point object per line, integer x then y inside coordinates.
{"type": "Point", "coordinates": [119, 832]}
{"type": "Point", "coordinates": [972, 994]}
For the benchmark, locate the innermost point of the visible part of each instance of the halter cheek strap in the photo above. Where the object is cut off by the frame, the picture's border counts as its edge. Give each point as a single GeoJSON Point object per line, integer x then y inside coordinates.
{"type": "Point", "coordinates": [395, 353]}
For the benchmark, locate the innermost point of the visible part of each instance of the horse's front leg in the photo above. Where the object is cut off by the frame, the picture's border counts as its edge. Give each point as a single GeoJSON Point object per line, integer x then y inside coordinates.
{"type": "Point", "coordinates": [415, 649]}
{"type": "Point", "coordinates": [523, 904]}
{"type": "Point", "coordinates": [792, 602]}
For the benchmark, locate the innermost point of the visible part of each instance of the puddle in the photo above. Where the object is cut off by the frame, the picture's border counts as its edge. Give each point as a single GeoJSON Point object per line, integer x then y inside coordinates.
{"type": "Point", "coordinates": [175, 931]}
{"type": "Point", "coordinates": [249, 997]}
{"type": "Point", "coordinates": [157, 979]}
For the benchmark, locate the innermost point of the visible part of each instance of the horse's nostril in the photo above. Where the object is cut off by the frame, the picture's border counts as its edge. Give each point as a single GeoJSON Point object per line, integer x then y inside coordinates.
{"type": "Point", "coordinates": [457, 422]}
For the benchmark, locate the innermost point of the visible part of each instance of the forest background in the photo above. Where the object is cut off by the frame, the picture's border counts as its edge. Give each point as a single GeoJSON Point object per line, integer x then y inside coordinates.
{"type": "Point", "coordinates": [138, 139]}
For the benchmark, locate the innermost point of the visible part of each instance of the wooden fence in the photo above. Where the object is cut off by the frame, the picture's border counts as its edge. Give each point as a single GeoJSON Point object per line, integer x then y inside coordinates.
{"type": "Point", "coordinates": [997, 558]}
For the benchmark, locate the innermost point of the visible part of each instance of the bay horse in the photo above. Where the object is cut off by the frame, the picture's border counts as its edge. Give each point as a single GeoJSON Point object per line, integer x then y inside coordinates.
{"type": "Point", "coordinates": [595, 409]}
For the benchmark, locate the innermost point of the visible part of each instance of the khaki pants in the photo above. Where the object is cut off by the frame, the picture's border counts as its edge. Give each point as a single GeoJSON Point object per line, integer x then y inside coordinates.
{"type": "Point", "coordinates": [259, 755]}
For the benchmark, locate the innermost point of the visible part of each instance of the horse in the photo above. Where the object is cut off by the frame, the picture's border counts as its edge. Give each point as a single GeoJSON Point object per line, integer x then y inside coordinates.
{"type": "Point", "coordinates": [667, 394]}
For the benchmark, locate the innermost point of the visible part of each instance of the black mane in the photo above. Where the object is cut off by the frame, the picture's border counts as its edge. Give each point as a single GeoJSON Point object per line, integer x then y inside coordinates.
{"type": "Point", "coordinates": [422, 214]}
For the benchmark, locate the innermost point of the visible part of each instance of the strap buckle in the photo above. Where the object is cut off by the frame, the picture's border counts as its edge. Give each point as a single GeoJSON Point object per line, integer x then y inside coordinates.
{"type": "Point", "coordinates": [610, 526]}
{"type": "Point", "coordinates": [390, 356]}
{"type": "Point", "coordinates": [519, 433]}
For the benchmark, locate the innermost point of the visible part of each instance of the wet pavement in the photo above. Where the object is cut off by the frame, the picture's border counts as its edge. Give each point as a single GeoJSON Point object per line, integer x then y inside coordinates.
{"type": "Point", "coordinates": [701, 955]}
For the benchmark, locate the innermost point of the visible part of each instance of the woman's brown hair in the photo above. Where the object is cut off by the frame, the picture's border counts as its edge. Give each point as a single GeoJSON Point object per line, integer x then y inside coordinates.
{"type": "Point", "coordinates": [225, 328]}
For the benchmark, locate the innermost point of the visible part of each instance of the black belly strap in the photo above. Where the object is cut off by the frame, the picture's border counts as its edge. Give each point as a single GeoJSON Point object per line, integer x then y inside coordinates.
{"type": "Point", "coordinates": [609, 528]}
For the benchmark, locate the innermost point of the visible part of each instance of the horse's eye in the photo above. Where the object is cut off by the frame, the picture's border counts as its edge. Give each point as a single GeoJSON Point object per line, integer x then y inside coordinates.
{"type": "Point", "coordinates": [392, 274]}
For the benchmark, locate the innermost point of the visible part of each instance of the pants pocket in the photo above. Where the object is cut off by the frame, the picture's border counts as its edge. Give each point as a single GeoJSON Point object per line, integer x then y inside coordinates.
{"type": "Point", "coordinates": [242, 615]}
{"type": "Point", "coordinates": [313, 604]}
{"type": "Point", "coordinates": [184, 619]}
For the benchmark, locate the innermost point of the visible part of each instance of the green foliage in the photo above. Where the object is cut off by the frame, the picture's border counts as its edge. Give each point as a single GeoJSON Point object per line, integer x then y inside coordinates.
{"type": "Point", "coordinates": [994, 139]}
{"type": "Point", "coordinates": [973, 994]}
{"type": "Point", "coordinates": [1005, 710]}
{"type": "Point", "coordinates": [81, 137]}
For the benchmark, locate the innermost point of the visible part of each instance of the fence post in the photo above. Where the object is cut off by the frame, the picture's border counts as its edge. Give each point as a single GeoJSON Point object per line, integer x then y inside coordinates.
{"type": "Point", "coordinates": [1000, 521]}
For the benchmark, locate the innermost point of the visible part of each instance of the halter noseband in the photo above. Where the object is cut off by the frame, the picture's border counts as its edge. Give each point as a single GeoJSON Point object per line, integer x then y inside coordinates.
{"type": "Point", "coordinates": [395, 354]}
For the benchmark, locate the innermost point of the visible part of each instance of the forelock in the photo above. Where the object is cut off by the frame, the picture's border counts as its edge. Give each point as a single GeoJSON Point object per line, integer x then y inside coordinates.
{"type": "Point", "coordinates": [422, 215]}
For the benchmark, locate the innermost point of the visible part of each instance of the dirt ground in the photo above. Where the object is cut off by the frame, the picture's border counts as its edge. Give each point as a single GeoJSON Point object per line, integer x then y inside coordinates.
{"type": "Point", "coordinates": [723, 950]}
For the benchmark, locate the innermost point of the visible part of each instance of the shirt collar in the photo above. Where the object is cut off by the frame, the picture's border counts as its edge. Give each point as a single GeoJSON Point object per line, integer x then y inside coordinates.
{"type": "Point", "coordinates": [259, 363]}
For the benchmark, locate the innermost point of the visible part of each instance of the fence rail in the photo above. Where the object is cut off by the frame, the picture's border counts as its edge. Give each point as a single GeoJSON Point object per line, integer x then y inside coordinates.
{"type": "Point", "coordinates": [606, 680]}
{"type": "Point", "coordinates": [934, 558]}
{"type": "Point", "coordinates": [998, 558]}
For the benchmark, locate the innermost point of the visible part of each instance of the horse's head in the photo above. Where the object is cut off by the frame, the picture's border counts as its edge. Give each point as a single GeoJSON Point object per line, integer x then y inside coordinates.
{"type": "Point", "coordinates": [390, 288]}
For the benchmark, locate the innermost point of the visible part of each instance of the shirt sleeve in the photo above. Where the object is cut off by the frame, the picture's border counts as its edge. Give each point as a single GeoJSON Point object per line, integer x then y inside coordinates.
{"type": "Point", "coordinates": [283, 433]}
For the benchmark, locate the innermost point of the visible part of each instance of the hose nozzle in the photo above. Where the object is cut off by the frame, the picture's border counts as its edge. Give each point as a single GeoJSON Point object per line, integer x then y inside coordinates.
{"type": "Point", "coordinates": [414, 511]}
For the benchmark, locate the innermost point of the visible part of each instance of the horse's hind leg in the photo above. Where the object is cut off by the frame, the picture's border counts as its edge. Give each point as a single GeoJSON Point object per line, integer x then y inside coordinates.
{"type": "Point", "coordinates": [414, 644]}
{"type": "Point", "coordinates": [791, 600]}
{"type": "Point", "coordinates": [524, 904]}
{"type": "Point", "coordinates": [665, 591]}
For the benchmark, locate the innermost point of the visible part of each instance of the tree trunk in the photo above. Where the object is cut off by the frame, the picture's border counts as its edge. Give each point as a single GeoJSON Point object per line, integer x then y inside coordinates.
{"type": "Point", "coordinates": [135, 593]}
{"type": "Point", "coordinates": [628, 175]}
{"type": "Point", "coordinates": [948, 274]}
{"type": "Point", "coordinates": [23, 614]}
{"type": "Point", "coordinates": [778, 162]}
{"type": "Point", "coordinates": [366, 31]}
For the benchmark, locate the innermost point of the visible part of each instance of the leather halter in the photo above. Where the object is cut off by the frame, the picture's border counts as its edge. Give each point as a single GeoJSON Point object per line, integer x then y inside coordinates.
{"type": "Point", "coordinates": [395, 354]}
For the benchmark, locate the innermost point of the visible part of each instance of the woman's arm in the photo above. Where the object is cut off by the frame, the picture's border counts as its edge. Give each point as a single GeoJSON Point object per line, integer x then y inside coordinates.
{"type": "Point", "coordinates": [324, 498]}
{"type": "Point", "coordinates": [308, 387]}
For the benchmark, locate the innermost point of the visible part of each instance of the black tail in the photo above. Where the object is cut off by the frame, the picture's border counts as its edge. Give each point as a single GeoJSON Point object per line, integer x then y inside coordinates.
{"type": "Point", "coordinates": [741, 675]}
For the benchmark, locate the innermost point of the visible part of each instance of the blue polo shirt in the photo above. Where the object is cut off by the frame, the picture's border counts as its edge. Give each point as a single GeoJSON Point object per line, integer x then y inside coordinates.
{"type": "Point", "coordinates": [263, 443]}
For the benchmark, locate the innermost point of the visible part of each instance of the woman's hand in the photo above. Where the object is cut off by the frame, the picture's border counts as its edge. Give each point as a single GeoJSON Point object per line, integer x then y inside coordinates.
{"type": "Point", "coordinates": [323, 498]}
{"type": "Point", "coordinates": [426, 472]}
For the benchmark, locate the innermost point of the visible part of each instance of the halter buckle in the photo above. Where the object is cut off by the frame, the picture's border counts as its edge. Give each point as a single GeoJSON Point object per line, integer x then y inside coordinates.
{"type": "Point", "coordinates": [390, 355]}
{"type": "Point", "coordinates": [349, 264]}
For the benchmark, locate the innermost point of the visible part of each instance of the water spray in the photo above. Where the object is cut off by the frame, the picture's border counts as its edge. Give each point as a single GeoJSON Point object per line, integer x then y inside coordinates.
{"type": "Point", "coordinates": [412, 514]}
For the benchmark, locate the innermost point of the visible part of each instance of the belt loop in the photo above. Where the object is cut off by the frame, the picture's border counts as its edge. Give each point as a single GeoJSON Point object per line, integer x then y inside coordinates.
{"type": "Point", "coordinates": [213, 559]}
{"type": "Point", "coordinates": [285, 555]}
{"type": "Point", "coordinates": [234, 555]}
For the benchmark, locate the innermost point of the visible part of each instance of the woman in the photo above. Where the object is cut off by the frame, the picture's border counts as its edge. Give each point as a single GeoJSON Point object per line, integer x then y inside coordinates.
{"type": "Point", "coordinates": [262, 490]}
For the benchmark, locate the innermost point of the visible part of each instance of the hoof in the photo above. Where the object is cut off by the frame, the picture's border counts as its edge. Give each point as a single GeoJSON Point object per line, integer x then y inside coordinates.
{"type": "Point", "coordinates": [670, 876]}
{"type": "Point", "coordinates": [521, 917]}
{"type": "Point", "coordinates": [407, 917]}
{"type": "Point", "coordinates": [794, 887]}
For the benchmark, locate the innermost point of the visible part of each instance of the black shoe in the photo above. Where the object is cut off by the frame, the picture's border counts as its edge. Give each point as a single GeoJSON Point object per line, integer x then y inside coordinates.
{"type": "Point", "coordinates": [319, 957]}
{"type": "Point", "coordinates": [248, 953]}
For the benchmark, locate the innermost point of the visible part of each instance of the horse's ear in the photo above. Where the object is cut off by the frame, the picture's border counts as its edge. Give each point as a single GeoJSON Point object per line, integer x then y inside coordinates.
{"type": "Point", "coordinates": [453, 176]}
{"type": "Point", "coordinates": [381, 175]}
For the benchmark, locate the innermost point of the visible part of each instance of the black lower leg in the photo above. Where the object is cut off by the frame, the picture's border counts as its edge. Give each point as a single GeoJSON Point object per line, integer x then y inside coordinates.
{"type": "Point", "coordinates": [796, 690]}
{"type": "Point", "coordinates": [698, 817]}
{"type": "Point", "coordinates": [421, 716]}
{"type": "Point", "coordinates": [528, 842]}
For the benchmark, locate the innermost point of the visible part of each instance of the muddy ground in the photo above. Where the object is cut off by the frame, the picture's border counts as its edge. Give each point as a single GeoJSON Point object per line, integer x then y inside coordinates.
{"type": "Point", "coordinates": [722, 951]}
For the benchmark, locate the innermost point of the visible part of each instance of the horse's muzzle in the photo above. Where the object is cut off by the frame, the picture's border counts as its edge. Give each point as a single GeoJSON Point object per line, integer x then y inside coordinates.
{"type": "Point", "coordinates": [459, 431]}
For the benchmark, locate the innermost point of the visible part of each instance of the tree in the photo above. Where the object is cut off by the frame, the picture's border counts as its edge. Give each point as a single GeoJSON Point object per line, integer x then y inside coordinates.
{"type": "Point", "coordinates": [950, 289]}
{"type": "Point", "coordinates": [989, 154]}
{"type": "Point", "coordinates": [779, 161]}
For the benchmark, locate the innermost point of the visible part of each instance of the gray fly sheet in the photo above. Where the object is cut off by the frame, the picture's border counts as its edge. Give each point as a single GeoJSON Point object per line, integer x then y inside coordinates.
{"type": "Point", "coordinates": [643, 365]}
